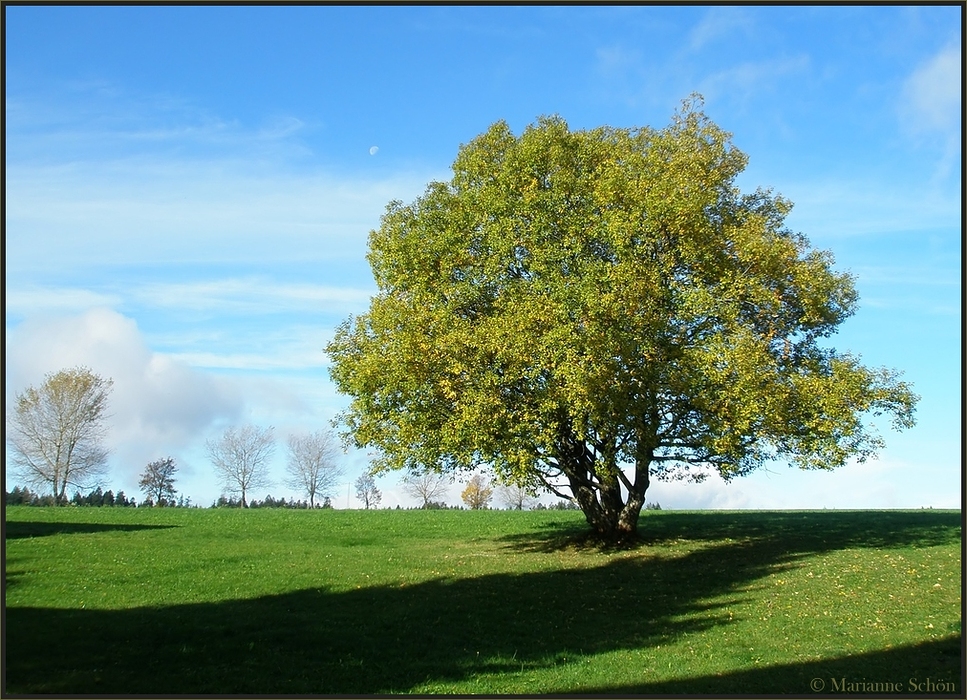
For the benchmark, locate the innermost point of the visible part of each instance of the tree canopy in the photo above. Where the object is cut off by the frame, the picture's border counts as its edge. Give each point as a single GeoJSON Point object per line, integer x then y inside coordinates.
{"type": "Point", "coordinates": [589, 310]}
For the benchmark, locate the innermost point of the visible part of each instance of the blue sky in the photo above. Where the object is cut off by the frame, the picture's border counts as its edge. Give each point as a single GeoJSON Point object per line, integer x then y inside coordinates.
{"type": "Point", "coordinates": [189, 191]}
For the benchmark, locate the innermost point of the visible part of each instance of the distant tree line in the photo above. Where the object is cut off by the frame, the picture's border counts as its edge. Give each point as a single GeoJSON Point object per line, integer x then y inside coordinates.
{"type": "Point", "coordinates": [23, 496]}
{"type": "Point", "coordinates": [269, 502]}
{"type": "Point", "coordinates": [432, 505]}
{"type": "Point", "coordinates": [98, 498]}
{"type": "Point", "coordinates": [558, 505]}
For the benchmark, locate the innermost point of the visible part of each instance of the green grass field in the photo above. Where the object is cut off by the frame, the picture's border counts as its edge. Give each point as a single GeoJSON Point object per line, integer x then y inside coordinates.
{"type": "Point", "coordinates": [167, 601]}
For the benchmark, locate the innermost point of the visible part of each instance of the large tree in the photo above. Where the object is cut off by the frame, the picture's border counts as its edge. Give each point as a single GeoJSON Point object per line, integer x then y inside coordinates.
{"type": "Point", "coordinates": [312, 466]}
{"type": "Point", "coordinates": [56, 431]}
{"type": "Point", "coordinates": [240, 457]}
{"type": "Point", "coordinates": [595, 309]}
{"type": "Point", "coordinates": [158, 481]}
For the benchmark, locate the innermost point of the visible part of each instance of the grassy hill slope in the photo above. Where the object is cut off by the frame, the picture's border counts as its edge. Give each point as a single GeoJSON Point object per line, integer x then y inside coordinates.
{"type": "Point", "coordinates": [103, 600]}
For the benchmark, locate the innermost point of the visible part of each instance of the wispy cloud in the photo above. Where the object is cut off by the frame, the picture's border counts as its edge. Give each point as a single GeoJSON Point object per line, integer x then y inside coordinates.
{"type": "Point", "coordinates": [641, 79]}
{"type": "Point", "coordinates": [279, 359]}
{"type": "Point", "coordinates": [34, 300]}
{"type": "Point", "coordinates": [832, 208]}
{"type": "Point", "coordinates": [910, 276]}
{"type": "Point", "coordinates": [617, 59]}
{"type": "Point", "coordinates": [930, 104]}
{"type": "Point", "coordinates": [262, 347]}
{"type": "Point", "coordinates": [752, 79]}
{"type": "Point", "coordinates": [123, 179]}
{"type": "Point", "coordinates": [157, 404]}
{"type": "Point", "coordinates": [253, 295]}
{"type": "Point", "coordinates": [932, 94]}
{"type": "Point", "coordinates": [720, 22]}
{"type": "Point", "coordinates": [162, 211]}
{"type": "Point", "coordinates": [85, 121]}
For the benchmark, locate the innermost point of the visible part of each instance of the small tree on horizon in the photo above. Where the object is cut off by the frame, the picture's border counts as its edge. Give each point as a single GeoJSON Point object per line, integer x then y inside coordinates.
{"type": "Point", "coordinates": [515, 496]}
{"type": "Point", "coordinates": [425, 485]}
{"type": "Point", "coordinates": [478, 493]}
{"type": "Point", "coordinates": [158, 481]}
{"type": "Point", "coordinates": [366, 490]}
{"type": "Point", "coordinates": [312, 467]}
{"type": "Point", "coordinates": [240, 457]}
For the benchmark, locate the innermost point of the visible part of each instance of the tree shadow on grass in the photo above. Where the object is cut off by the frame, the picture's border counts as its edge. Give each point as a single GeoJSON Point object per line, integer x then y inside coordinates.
{"type": "Point", "coordinates": [18, 529]}
{"type": "Point", "coordinates": [392, 639]}
{"type": "Point", "coordinates": [800, 531]}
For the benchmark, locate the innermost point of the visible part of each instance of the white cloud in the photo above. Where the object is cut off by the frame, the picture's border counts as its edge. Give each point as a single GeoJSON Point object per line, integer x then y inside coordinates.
{"type": "Point", "coordinates": [909, 276]}
{"type": "Point", "coordinates": [158, 405]}
{"type": "Point", "coordinates": [281, 127]}
{"type": "Point", "coordinates": [873, 484]}
{"type": "Point", "coordinates": [97, 120]}
{"type": "Point", "coordinates": [613, 60]}
{"type": "Point", "coordinates": [278, 360]}
{"type": "Point", "coordinates": [260, 348]}
{"type": "Point", "coordinates": [235, 323]}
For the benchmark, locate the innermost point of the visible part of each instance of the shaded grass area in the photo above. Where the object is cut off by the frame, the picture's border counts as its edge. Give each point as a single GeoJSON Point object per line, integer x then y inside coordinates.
{"type": "Point", "coordinates": [805, 531]}
{"type": "Point", "coordinates": [19, 529]}
{"type": "Point", "coordinates": [450, 602]}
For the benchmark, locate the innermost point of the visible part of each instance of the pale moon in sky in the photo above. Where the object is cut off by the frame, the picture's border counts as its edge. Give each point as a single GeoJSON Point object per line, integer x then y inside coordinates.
{"type": "Point", "coordinates": [373, 150]}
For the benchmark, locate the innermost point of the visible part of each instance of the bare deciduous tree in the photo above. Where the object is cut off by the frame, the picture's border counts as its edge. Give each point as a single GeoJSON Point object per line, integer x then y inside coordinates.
{"type": "Point", "coordinates": [366, 490]}
{"type": "Point", "coordinates": [241, 458]}
{"type": "Point", "coordinates": [158, 481]}
{"type": "Point", "coordinates": [56, 431]}
{"type": "Point", "coordinates": [426, 486]}
{"type": "Point", "coordinates": [312, 467]}
{"type": "Point", "coordinates": [515, 497]}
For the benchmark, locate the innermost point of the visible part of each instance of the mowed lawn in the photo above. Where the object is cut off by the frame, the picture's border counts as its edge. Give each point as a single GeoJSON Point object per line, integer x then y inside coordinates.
{"type": "Point", "coordinates": [102, 600]}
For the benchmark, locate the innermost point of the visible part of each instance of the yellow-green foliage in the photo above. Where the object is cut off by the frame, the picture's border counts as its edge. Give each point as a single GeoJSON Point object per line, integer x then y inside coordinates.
{"type": "Point", "coordinates": [574, 301]}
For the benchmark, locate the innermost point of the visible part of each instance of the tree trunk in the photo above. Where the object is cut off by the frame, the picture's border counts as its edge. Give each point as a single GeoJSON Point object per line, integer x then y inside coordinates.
{"type": "Point", "coordinates": [628, 517]}
{"type": "Point", "coordinates": [609, 515]}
